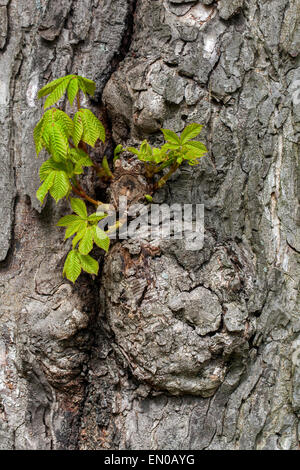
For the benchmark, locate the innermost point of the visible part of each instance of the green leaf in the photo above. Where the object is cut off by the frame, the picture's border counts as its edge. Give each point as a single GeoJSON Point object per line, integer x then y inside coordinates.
{"type": "Point", "coordinates": [78, 237]}
{"type": "Point", "coordinates": [58, 172]}
{"type": "Point", "coordinates": [78, 129]}
{"type": "Point", "coordinates": [85, 161]}
{"type": "Point", "coordinates": [87, 86]}
{"type": "Point", "coordinates": [51, 165]}
{"type": "Point", "coordinates": [56, 94]}
{"type": "Point", "coordinates": [148, 198]}
{"type": "Point", "coordinates": [44, 188]}
{"type": "Point", "coordinates": [80, 159]}
{"type": "Point", "coordinates": [43, 134]}
{"type": "Point", "coordinates": [105, 167]}
{"type": "Point", "coordinates": [61, 186]}
{"type": "Point", "coordinates": [86, 243]}
{"type": "Point", "coordinates": [89, 264]}
{"type": "Point", "coordinates": [196, 145]}
{"type": "Point", "coordinates": [158, 155]}
{"type": "Point", "coordinates": [77, 226]}
{"type": "Point", "coordinates": [64, 120]}
{"type": "Point", "coordinates": [171, 137]}
{"type": "Point", "coordinates": [72, 266]}
{"type": "Point", "coordinates": [72, 90]}
{"type": "Point", "coordinates": [169, 146]}
{"type": "Point", "coordinates": [67, 220]}
{"type": "Point", "coordinates": [191, 131]}
{"type": "Point", "coordinates": [146, 148]}
{"type": "Point", "coordinates": [96, 217]}
{"type": "Point", "coordinates": [50, 87]}
{"type": "Point", "coordinates": [78, 155]}
{"type": "Point", "coordinates": [45, 169]}
{"type": "Point", "coordinates": [57, 140]}
{"type": "Point", "coordinates": [144, 154]}
{"type": "Point", "coordinates": [93, 129]}
{"type": "Point", "coordinates": [79, 207]}
{"type": "Point", "coordinates": [119, 149]}
{"type": "Point", "coordinates": [101, 238]}
{"type": "Point", "coordinates": [133, 150]}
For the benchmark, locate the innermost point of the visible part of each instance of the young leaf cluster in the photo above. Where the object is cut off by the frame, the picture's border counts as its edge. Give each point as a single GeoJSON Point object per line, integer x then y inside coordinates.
{"type": "Point", "coordinates": [67, 140]}
{"type": "Point", "coordinates": [85, 232]}
{"type": "Point", "coordinates": [70, 84]}
{"type": "Point", "coordinates": [175, 151]}
{"type": "Point", "coordinates": [61, 136]}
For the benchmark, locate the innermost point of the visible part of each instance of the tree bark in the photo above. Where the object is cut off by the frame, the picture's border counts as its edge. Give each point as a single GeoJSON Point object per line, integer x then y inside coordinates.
{"type": "Point", "coordinates": [167, 348]}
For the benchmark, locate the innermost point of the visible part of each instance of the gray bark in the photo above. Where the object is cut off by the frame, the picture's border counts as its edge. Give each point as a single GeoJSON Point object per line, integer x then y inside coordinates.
{"type": "Point", "coordinates": [167, 348]}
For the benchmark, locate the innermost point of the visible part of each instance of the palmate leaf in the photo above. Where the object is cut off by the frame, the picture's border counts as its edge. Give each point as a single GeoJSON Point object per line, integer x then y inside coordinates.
{"type": "Point", "coordinates": [78, 155]}
{"type": "Point", "coordinates": [64, 120]}
{"type": "Point", "coordinates": [191, 131]}
{"type": "Point", "coordinates": [56, 141]}
{"type": "Point", "coordinates": [46, 168]}
{"type": "Point", "coordinates": [96, 123]}
{"type": "Point", "coordinates": [50, 86]}
{"type": "Point", "coordinates": [171, 137]}
{"type": "Point", "coordinates": [96, 217]}
{"type": "Point", "coordinates": [193, 153]}
{"type": "Point", "coordinates": [39, 132]}
{"type": "Point", "coordinates": [78, 237]}
{"type": "Point", "coordinates": [89, 264]}
{"type": "Point", "coordinates": [61, 186]}
{"type": "Point", "coordinates": [84, 227]}
{"type": "Point", "coordinates": [101, 238]}
{"type": "Point", "coordinates": [90, 132]}
{"type": "Point", "coordinates": [87, 128]}
{"type": "Point", "coordinates": [51, 165]}
{"type": "Point", "coordinates": [192, 144]}
{"type": "Point", "coordinates": [42, 132]}
{"type": "Point", "coordinates": [72, 90]}
{"type": "Point", "coordinates": [78, 129]}
{"type": "Point", "coordinates": [169, 146]}
{"type": "Point", "coordinates": [56, 182]}
{"type": "Point", "coordinates": [87, 86]}
{"type": "Point", "coordinates": [79, 207]}
{"type": "Point", "coordinates": [56, 94]}
{"type": "Point", "coordinates": [80, 159]}
{"type": "Point", "coordinates": [72, 266]}
{"type": "Point", "coordinates": [44, 188]}
{"type": "Point", "coordinates": [68, 220]}
{"type": "Point", "coordinates": [144, 153]}
{"type": "Point", "coordinates": [77, 226]}
{"type": "Point", "coordinates": [86, 243]}
{"type": "Point", "coordinates": [73, 83]}
{"type": "Point", "coordinates": [75, 262]}
{"type": "Point", "coordinates": [158, 155]}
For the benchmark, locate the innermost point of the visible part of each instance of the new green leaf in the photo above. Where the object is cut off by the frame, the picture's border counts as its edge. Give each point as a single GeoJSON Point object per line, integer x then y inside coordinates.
{"type": "Point", "coordinates": [170, 136]}
{"type": "Point", "coordinates": [191, 131]}
{"type": "Point", "coordinates": [89, 264]}
{"type": "Point", "coordinates": [79, 207]}
{"type": "Point", "coordinates": [72, 266]}
{"type": "Point", "coordinates": [86, 243]}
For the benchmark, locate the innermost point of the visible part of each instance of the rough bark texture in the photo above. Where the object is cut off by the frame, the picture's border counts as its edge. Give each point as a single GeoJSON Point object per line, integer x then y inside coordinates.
{"type": "Point", "coordinates": [180, 350]}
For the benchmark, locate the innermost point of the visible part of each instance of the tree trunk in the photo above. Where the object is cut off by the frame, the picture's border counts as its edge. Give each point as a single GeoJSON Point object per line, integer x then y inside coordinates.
{"type": "Point", "coordinates": [167, 348]}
